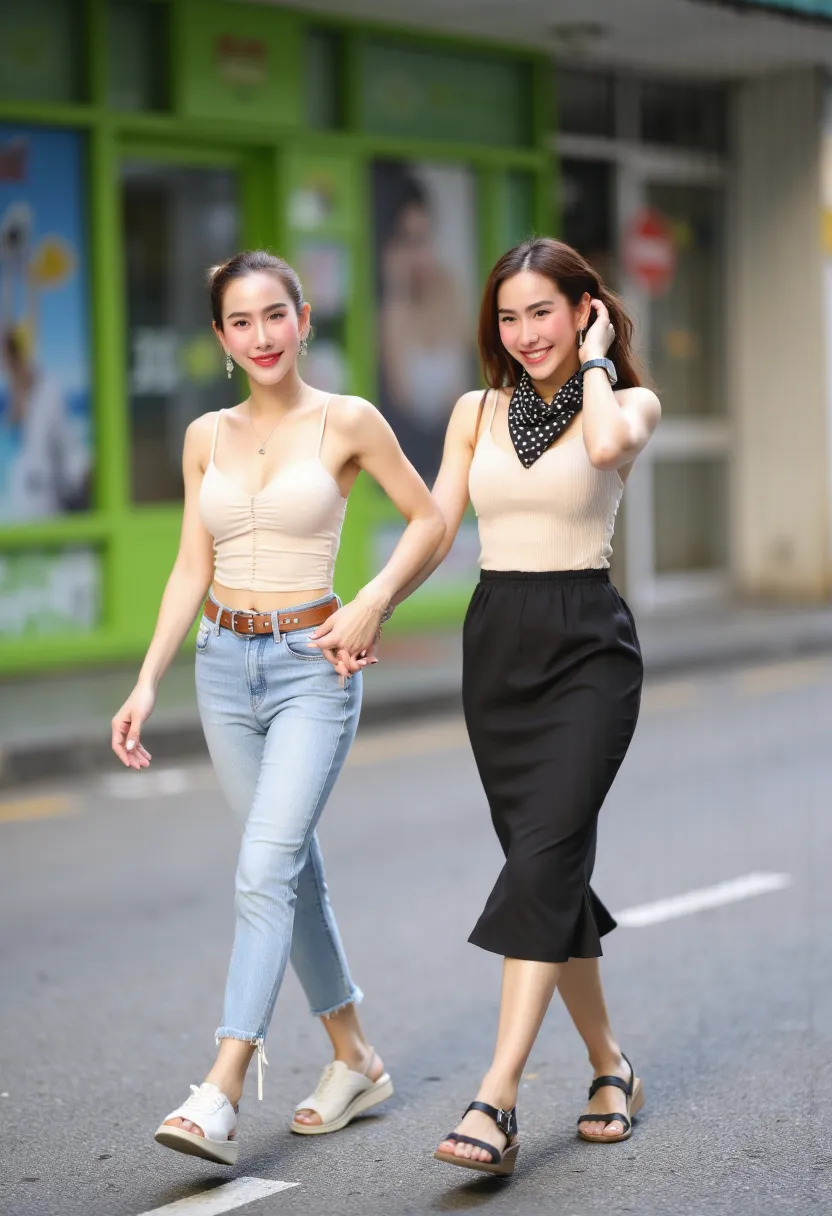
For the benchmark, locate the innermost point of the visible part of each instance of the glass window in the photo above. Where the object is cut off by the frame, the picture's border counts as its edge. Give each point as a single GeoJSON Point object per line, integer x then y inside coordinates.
{"type": "Point", "coordinates": [324, 80]}
{"type": "Point", "coordinates": [515, 196]}
{"type": "Point", "coordinates": [41, 55]}
{"type": "Point", "coordinates": [584, 102]}
{"type": "Point", "coordinates": [138, 55]}
{"type": "Point", "coordinates": [424, 93]}
{"type": "Point", "coordinates": [684, 115]}
{"type": "Point", "coordinates": [49, 591]}
{"type": "Point", "coordinates": [587, 202]}
{"type": "Point", "coordinates": [685, 314]}
{"type": "Point", "coordinates": [690, 509]}
{"type": "Point", "coordinates": [177, 222]}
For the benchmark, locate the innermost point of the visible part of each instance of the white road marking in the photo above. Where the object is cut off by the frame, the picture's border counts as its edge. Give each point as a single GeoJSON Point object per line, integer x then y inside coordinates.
{"type": "Point", "coordinates": [146, 784]}
{"type": "Point", "coordinates": [222, 1198]}
{"type": "Point", "coordinates": [699, 901]}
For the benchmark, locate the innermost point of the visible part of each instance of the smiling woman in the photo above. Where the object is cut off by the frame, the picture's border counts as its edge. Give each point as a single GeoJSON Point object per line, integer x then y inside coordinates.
{"type": "Point", "coordinates": [279, 667]}
{"type": "Point", "coordinates": [551, 662]}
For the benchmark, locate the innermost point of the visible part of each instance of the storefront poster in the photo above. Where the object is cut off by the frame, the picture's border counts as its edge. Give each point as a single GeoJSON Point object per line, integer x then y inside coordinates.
{"type": "Point", "coordinates": [426, 290]}
{"type": "Point", "coordinates": [45, 440]}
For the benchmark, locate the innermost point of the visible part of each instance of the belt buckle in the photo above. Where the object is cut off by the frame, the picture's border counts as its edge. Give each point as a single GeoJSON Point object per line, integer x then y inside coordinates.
{"type": "Point", "coordinates": [248, 632]}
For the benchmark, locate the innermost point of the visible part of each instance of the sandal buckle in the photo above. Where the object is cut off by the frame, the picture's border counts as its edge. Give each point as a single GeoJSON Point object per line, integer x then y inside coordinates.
{"type": "Point", "coordinates": [503, 1121]}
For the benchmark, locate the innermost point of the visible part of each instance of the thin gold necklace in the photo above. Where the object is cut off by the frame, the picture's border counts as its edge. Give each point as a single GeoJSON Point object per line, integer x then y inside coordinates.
{"type": "Point", "coordinates": [262, 442]}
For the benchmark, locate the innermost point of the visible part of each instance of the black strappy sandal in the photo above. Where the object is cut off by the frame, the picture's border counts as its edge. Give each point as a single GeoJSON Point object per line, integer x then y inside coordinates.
{"type": "Point", "coordinates": [634, 1094]}
{"type": "Point", "coordinates": [501, 1163]}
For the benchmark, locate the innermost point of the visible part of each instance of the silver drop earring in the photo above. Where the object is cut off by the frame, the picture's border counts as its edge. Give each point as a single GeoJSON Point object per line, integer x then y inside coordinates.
{"type": "Point", "coordinates": [581, 336]}
{"type": "Point", "coordinates": [229, 365]}
{"type": "Point", "coordinates": [303, 349]}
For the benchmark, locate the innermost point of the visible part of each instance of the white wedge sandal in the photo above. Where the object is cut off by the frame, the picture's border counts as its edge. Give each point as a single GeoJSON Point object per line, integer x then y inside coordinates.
{"type": "Point", "coordinates": [211, 1111]}
{"type": "Point", "coordinates": [342, 1094]}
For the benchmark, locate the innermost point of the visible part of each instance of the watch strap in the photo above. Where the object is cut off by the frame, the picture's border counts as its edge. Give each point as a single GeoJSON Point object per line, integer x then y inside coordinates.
{"type": "Point", "coordinates": [607, 364]}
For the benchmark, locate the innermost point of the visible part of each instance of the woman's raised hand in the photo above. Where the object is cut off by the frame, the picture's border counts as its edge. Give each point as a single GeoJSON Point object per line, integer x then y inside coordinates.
{"type": "Point", "coordinates": [599, 336]}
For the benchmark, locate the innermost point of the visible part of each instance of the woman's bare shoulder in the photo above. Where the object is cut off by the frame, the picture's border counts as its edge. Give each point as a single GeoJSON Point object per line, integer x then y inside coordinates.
{"type": "Point", "coordinates": [468, 405]}
{"type": "Point", "coordinates": [350, 413]}
{"type": "Point", "coordinates": [199, 436]}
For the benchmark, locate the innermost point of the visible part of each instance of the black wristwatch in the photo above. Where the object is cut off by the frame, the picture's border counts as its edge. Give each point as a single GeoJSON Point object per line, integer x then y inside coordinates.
{"type": "Point", "coordinates": [607, 364]}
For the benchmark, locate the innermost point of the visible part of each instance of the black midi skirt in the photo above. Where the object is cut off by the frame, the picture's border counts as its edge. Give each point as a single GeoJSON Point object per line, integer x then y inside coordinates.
{"type": "Point", "coordinates": [552, 678]}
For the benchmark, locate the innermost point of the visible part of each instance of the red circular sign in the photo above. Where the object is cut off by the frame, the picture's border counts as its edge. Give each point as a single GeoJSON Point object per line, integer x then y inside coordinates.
{"type": "Point", "coordinates": [650, 251]}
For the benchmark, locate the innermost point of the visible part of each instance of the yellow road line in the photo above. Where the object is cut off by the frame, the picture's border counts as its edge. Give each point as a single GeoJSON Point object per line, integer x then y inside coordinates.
{"type": "Point", "coordinates": [412, 740]}
{"type": "Point", "coordinates": [415, 740]}
{"type": "Point", "coordinates": [675, 694]}
{"type": "Point", "coordinates": [13, 810]}
{"type": "Point", "coordinates": [781, 677]}
{"type": "Point", "coordinates": [401, 742]}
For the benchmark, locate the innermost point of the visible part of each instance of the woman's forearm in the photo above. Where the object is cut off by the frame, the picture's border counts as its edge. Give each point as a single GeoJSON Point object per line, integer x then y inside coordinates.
{"type": "Point", "coordinates": [417, 548]}
{"type": "Point", "coordinates": [605, 427]}
{"type": "Point", "coordinates": [432, 564]}
{"type": "Point", "coordinates": [183, 595]}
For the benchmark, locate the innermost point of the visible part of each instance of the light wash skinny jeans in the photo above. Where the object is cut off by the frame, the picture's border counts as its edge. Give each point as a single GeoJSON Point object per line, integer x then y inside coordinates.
{"type": "Point", "coordinates": [278, 726]}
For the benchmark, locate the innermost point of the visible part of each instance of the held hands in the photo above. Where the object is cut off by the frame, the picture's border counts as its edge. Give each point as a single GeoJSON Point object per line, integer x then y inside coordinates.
{"type": "Point", "coordinates": [600, 335]}
{"type": "Point", "coordinates": [127, 726]}
{"type": "Point", "coordinates": [348, 637]}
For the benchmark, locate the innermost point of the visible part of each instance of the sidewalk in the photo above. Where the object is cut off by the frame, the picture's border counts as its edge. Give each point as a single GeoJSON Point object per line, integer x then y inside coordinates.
{"type": "Point", "coordinates": [58, 725]}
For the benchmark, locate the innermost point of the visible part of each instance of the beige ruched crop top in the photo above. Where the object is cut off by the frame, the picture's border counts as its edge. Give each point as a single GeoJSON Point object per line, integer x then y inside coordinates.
{"type": "Point", "coordinates": [559, 514]}
{"type": "Point", "coordinates": [284, 538]}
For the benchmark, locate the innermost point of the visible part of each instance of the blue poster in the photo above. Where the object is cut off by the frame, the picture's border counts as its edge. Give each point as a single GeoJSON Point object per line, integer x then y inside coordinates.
{"type": "Point", "coordinates": [45, 423]}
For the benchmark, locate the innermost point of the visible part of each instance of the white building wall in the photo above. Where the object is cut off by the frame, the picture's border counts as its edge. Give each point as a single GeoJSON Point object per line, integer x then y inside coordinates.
{"type": "Point", "coordinates": [776, 337]}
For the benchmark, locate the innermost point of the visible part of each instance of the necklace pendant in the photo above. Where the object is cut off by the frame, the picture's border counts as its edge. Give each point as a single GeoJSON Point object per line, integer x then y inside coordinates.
{"type": "Point", "coordinates": [262, 451]}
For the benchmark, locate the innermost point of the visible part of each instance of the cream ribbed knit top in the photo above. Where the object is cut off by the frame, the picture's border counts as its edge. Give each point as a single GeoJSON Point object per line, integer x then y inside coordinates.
{"type": "Point", "coordinates": [557, 515]}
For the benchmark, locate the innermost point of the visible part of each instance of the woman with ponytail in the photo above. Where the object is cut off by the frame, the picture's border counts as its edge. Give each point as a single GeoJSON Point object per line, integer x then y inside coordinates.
{"type": "Point", "coordinates": [279, 663]}
{"type": "Point", "coordinates": [552, 669]}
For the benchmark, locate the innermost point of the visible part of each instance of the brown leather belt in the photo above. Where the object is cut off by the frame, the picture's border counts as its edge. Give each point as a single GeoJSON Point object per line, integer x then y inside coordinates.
{"type": "Point", "coordinates": [246, 624]}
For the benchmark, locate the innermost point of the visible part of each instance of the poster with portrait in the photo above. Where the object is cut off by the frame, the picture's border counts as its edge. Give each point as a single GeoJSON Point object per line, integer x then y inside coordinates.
{"type": "Point", "coordinates": [45, 427]}
{"type": "Point", "coordinates": [426, 292]}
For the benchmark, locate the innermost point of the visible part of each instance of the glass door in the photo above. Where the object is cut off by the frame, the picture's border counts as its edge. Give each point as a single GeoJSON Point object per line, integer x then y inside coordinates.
{"type": "Point", "coordinates": [178, 220]}
{"type": "Point", "coordinates": [671, 241]}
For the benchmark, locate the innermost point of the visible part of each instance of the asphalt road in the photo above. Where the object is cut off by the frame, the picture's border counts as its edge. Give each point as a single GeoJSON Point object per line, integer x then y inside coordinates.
{"type": "Point", "coordinates": [115, 928]}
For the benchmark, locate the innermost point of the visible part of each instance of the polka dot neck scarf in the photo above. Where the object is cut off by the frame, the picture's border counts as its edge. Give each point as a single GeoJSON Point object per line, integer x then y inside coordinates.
{"type": "Point", "coordinates": [533, 425]}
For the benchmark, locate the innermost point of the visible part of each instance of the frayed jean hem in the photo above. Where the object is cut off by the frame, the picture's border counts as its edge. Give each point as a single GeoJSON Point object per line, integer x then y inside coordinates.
{"type": "Point", "coordinates": [244, 1036]}
{"type": "Point", "coordinates": [355, 998]}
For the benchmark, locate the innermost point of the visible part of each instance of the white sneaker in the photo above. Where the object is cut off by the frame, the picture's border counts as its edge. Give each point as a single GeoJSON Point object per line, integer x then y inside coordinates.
{"type": "Point", "coordinates": [211, 1111]}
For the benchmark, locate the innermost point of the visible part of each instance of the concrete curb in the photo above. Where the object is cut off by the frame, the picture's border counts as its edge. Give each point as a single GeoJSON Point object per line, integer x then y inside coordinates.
{"type": "Point", "coordinates": [28, 763]}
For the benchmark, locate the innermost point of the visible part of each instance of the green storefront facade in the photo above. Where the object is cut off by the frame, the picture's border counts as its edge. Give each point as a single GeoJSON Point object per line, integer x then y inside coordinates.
{"type": "Point", "coordinates": [142, 140]}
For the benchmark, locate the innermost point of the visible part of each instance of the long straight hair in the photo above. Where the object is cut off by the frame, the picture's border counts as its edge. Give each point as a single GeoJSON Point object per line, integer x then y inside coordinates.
{"type": "Point", "coordinates": [572, 275]}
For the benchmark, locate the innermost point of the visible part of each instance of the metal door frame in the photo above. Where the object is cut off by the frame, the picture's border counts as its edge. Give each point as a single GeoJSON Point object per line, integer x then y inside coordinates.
{"type": "Point", "coordinates": [635, 165]}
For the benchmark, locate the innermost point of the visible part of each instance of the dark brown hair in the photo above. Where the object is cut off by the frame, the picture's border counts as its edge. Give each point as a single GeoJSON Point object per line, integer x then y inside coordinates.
{"type": "Point", "coordinates": [572, 275]}
{"type": "Point", "coordinates": [250, 262]}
